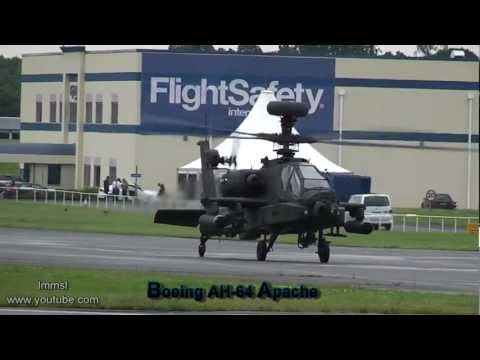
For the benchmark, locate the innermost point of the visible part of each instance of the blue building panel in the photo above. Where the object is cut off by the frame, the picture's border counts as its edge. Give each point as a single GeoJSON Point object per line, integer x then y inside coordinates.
{"type": "Point", "coordinates": [210, 94]}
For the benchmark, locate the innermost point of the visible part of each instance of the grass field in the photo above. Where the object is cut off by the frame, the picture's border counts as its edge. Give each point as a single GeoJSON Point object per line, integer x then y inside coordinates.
{"type": "Point", "coordinates": [128, 290]}
{"type": "Point", "coordinates": [12, 169]}
{"type": "Point", "coordinates": [57, 217]}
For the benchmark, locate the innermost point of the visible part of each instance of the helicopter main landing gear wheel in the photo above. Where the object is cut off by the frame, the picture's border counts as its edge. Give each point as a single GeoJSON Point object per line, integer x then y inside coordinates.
{"type": "Point", "coordinates": [202, 247]}
{"type": "Point", "coordinates": [262, 250]}
{"type": "Point", "coordinates": [264, 246]}
{"type": "Point", "coordinates": [323, 248]}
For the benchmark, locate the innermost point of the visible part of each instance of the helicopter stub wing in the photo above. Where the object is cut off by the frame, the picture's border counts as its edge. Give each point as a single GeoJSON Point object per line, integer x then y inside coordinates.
{"type": "Point", "coordinates": [226, 201]}
{"type": "Point", "coordinates": [180, 217]}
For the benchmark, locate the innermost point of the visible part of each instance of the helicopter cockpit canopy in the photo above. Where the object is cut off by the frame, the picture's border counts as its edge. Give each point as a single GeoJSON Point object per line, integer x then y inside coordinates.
{"type": "Point", "coordinates": [297, 178]}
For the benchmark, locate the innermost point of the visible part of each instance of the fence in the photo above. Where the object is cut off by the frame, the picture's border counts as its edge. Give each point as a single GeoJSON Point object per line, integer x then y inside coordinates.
{"type": "Point", "coordinates": [431, 223]}
{"type": "Point", "coordinates": [91, 200]}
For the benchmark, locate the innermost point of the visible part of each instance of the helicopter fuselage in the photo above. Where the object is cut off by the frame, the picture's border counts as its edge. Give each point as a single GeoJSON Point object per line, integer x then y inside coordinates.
{"type": "Point", "coordinates": [284, 196]}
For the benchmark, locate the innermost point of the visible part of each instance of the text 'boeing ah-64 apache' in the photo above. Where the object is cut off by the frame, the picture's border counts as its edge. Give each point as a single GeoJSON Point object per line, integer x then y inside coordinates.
{"type": "Point", "coordinates": [287, 195]}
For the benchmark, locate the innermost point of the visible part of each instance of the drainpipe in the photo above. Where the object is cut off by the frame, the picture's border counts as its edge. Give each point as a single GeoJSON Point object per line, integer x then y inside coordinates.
{"type": "Point", "coordinates": [79, 155]}
{"type": "Point", "coordinates": [341, 94]}
{"type": "Point", "coordinates": [65, 107]}
{"type": "Point", "coordinates": [470, 97]}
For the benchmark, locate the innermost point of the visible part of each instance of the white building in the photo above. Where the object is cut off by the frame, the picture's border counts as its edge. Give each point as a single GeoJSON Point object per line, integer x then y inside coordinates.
{"type": "Point", "coordinates": [148, 108]}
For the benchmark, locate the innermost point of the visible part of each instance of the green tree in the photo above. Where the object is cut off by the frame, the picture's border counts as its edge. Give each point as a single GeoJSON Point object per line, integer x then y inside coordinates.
{"type": "Point", "coordinates": [192, 48]}
{"type": "Point", "coordinates": [339, 50]}
{"type": "Point", "coordinates": [314, 50]}
{"type": "Point", "coordinates": [444, 54]}
{"type": "Point", "coordinates": [288, 50]}
{"type": "Point", "coordinates": [10, 82]}
{"type": "Point", "coordinates": [249, 49]}
{"type": "Point", "coordinates": [397, 55]}
{"type": "Point", "coordinates": [427, 50]}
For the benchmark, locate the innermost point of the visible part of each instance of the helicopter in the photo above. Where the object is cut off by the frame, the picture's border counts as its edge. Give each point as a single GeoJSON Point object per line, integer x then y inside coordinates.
{"type": "Point", "coordinates": [287, 195]}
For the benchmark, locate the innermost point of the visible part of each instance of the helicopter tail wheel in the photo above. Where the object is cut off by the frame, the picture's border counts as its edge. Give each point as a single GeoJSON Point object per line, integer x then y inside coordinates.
{"type": "Point", "coordinates": [261, 250]}
{"type": "Point", "coordinates": [323, 251]}
{"type": "Point", "coordinates": [202, 247]}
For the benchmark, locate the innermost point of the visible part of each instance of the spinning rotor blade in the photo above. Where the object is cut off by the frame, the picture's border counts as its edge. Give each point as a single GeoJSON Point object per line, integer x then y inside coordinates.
{"type": "Point", "coordinates": [241, 135]}
{"type": "Point", "coordinates": [311, 140]}
{"type": "Point", "coordinates": [384, 145]}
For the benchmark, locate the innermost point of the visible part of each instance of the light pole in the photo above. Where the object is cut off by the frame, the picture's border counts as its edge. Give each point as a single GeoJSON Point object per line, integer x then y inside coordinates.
{"type": "Point", "coordinates": [470, 98]}
{"type": "Point", "coordinates": [341, 94]}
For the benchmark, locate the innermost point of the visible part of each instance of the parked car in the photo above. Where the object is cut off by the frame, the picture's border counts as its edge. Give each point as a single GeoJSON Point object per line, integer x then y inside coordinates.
{"type": "Point", "coordinates": [26, 190]}
{"type": "Point", "coordinates": [6, 180]}
{"type": "Point", "coordinates": [439, 201]}
{"type": "Point", "coordinates": [378, 209]}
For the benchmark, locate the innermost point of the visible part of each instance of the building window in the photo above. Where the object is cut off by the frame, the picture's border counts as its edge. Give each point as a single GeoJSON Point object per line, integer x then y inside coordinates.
{"type": "Point", "coordinates": [26, 172]}
{"type": "Point", "coordinates": [73, 112]}
{"type": "Point", "coordinates": [53, 108]}
{"type": "Point", "coordinates": [54, 172]}
{"type": "Point", "coordinates": [60, 110]}
{"type": "Point", "coordinates": [96, 175]}
{"type": "Point", "coordinates": [88, 109]}
{"type": "Point", "coordinates": [86, 175]}
{"type": "Point", "coordinates": [38, 108]}
{"type": "Point", "coordinates": [4, 135]}
{"type": "Point", "coordinates": [114, 109]}
{"type": "Point", "coordinates": [15, 135]}
{"type": "Point", "coordinates": [98, 109]}
{"type": "Point", "coordinates": [112, 171]}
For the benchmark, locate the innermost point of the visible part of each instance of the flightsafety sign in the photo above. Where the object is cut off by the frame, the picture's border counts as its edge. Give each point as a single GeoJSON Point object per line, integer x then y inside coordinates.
{"type": "Point", "coordinates": [201, 94]}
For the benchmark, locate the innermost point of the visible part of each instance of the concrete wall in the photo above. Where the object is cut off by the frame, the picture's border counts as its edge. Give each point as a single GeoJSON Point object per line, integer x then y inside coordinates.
{"type": "Point", "coordinates": [409, 110]}
{"type": "Point", "coordinates": [128, 100]}
{"type": "Point", "coordinates": [36, 136]}
{"type": "Point", "coordinates": [159, 157]}
{"type": "Point", "coordinates": [407, 174]}
{"type": "Point", "coordinates": [29, 92]}
{"type": "Point", "coordinates": [105, 148]}
{"type": "Point", "coordinates": [94, 62]}
{"type": "Point", "coordinates": [407, 69]}
{"type": "Point", "coordinates": [67, 177]}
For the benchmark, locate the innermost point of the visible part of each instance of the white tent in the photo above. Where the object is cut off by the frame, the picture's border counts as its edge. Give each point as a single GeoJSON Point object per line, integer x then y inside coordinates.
{"type": "Point", "coordinates": [250, 152]}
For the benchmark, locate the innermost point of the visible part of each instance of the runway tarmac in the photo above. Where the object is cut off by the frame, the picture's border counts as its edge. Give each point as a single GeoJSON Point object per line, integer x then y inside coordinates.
{"type": "Point", "coordinates": [456, 271]}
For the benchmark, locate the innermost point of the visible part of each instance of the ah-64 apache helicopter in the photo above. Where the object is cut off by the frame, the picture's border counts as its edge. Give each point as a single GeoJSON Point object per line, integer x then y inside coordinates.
{"type": "Point", "coordinates": [287, 195]}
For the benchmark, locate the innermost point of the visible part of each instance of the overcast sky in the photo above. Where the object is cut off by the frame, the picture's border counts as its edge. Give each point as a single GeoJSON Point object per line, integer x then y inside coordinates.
{"type": "Point", "coordinates": [18, 50]}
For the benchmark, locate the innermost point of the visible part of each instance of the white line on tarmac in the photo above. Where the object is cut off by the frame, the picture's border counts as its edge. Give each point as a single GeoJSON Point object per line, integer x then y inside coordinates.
{"type": "Point", "coordinates": [67, 312]}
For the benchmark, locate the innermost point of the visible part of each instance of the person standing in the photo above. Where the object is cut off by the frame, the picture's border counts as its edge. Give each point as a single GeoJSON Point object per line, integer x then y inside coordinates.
{"type": "Point", "coordinates": [161, 189]}
{"type": "Point", "coordinates": [106, 185]}
{"type": "Point", "coordinates": [116, 187]}
{"type": "Point", "coordinates": [124, 187]}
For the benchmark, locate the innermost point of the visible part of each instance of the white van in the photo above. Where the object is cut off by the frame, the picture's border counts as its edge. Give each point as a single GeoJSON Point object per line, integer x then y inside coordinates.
{"type": "Point", "coordinates": [378, 209]}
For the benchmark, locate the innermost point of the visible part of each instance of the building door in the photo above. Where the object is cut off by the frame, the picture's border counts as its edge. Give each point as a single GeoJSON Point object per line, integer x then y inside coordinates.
{"type": "Point", "coordinates": [54, 175]}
